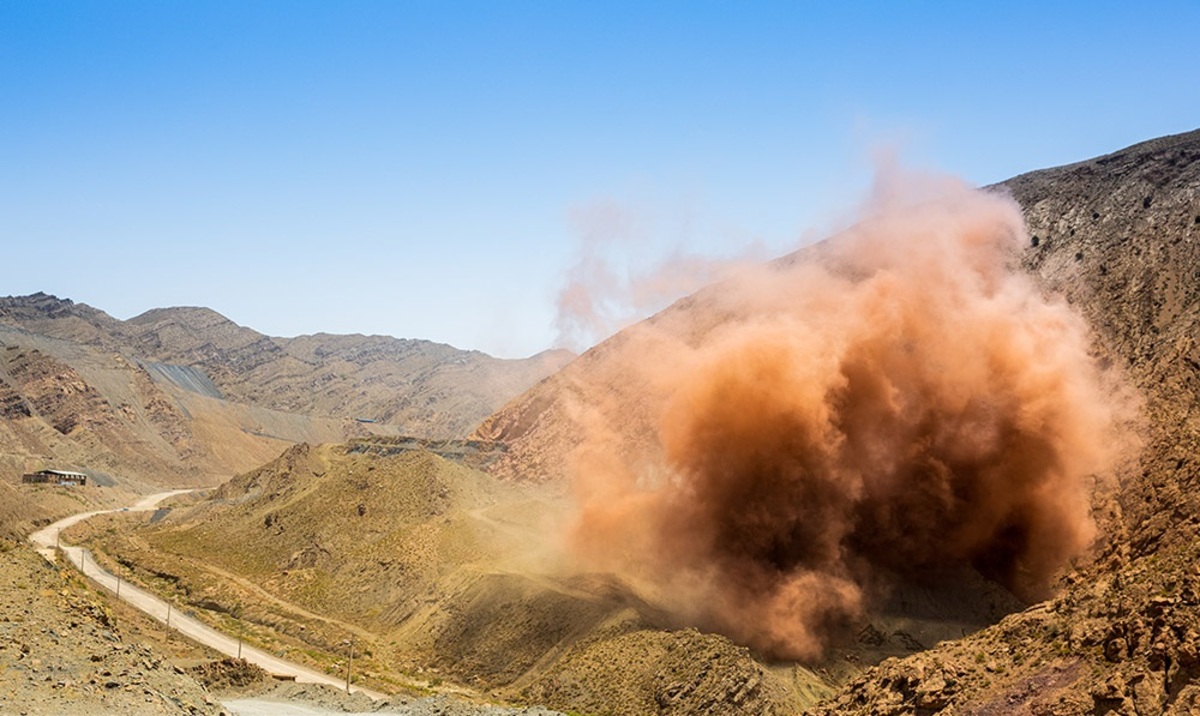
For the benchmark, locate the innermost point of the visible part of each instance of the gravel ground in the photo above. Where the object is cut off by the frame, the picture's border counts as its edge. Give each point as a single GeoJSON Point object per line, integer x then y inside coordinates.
{"type": "Point", "coordinates": [62, 653]}
{"type": "Point", "coordinates": [318, 700]}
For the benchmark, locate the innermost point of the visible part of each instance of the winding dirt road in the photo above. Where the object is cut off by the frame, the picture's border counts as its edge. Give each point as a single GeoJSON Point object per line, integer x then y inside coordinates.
{"type": "Point", "coordinates": [48, 543]}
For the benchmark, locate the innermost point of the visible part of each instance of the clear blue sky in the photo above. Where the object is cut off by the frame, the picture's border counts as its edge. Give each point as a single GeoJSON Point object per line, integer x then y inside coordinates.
{"type": "Point", "coordinates": [410, 168]}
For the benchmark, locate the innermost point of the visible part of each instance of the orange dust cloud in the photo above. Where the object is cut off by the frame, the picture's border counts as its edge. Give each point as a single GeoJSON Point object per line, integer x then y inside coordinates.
{"type": "Point", "coordinates": [898, 398]}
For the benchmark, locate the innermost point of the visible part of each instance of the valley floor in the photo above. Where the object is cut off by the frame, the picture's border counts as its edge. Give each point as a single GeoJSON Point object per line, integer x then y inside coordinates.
{"type": "Point", "coordinates": [69, 656]}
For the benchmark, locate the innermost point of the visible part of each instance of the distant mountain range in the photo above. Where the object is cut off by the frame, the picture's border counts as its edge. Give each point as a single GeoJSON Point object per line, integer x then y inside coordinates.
{"type": "Point", "coordinates": [186, 394]}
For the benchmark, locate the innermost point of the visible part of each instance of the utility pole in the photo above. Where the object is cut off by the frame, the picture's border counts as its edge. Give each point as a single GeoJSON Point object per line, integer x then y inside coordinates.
{"type": "Point", "coordinates": [239, 647]}
{"type": "Point", "coordinates": [168, 614]}
{"type": "Point", "coordinates": [349, 662]}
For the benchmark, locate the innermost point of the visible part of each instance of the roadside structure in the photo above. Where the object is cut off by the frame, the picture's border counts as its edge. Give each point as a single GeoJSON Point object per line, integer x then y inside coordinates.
{"type": "Point", "coordinates": [55, 477]}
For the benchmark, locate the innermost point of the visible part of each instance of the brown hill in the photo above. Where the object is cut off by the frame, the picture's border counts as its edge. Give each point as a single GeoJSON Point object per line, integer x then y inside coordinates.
{"type": "Point", "coordinates": [74, 405]}
{"type": "Point", "coordinates": [421, 387]}
{"type": "Point", "coordinates": [185, 394]}
{"type": "Point", "coordinates": [1118, 236]}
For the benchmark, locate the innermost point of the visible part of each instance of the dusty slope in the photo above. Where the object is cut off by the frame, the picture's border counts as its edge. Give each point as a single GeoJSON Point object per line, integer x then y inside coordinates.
{"type": "Point", "coordinates": [437, 571]}
{"type": "Point", "coordinates": [421, 387]}
{"type": "Point", "coordinates": [62, 652]}
{"type": "Point", "coordinates": [1116, 235]}
{"type": "Point", "coordinates": [1120, 236]}
{"type": "Point", "coordinates": [26, 508]}
{"type": "Point", "coordinates": [541, 426]}
{"type": "Point", "coordinates": [71, 405]}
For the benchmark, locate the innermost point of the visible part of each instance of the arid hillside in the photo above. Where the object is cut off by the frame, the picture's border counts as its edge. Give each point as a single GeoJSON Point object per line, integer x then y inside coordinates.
{"type": "Point", "coordinates": [1116, 235]}
{"type": "Point", "coordinates": [185, 395]}
{"type": "Point", "coordinates": [1119, 236]}
{"type": "Point", "coordinates": [64, 651]}
{"type": "Point", "coordinates": [72, 405]}
{"type": "Point", "coordinates": [419, 387]}
{"type": "Point", "coordinates": [437, 571]}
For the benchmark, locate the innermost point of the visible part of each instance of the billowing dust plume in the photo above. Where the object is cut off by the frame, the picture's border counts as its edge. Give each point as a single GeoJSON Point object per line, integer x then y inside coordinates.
{"type": "Point", "coordinates": [896, 400]}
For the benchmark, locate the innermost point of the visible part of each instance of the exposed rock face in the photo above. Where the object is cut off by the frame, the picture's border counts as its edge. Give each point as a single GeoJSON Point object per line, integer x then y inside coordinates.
{"type": "Point", "coordinates": [68, 404]}
{"type": "Point", "coordinates": [1119, 236]}
{"type": "Point", "coordinates": [692, 673]}
{"type": "Point", "coordinates": [58, 393]}
{"type": "Point", "coordinates": [230, 674]}
{"type": "Point", "coordinates": [1121, 643]}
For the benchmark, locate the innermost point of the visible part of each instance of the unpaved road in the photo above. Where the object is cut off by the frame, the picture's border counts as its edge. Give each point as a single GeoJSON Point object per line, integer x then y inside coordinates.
{"type": "Point", "coordinates": [45, 540]}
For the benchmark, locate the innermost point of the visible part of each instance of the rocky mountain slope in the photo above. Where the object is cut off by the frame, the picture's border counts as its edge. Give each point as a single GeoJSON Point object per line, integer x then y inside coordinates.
{"type": "Point", "coordinates": [73, 405]}
{"type": "Point", "coordinates": [1119, 236]}
{"type": "Point", "coordinates": [184, 394]}
{"type": "Point", "coordinates": [423, 388]}
{"type": "Point", "coordinates": [420, 387]}
{"type": "Point", "coordinates": [1115, 235]}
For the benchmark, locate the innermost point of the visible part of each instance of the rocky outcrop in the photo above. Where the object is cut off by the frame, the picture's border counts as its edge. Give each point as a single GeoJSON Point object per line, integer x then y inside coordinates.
{"type": "Point", "coordinates": [64, 652]}
{"type": "Point", "coordinates": [650, 671]}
